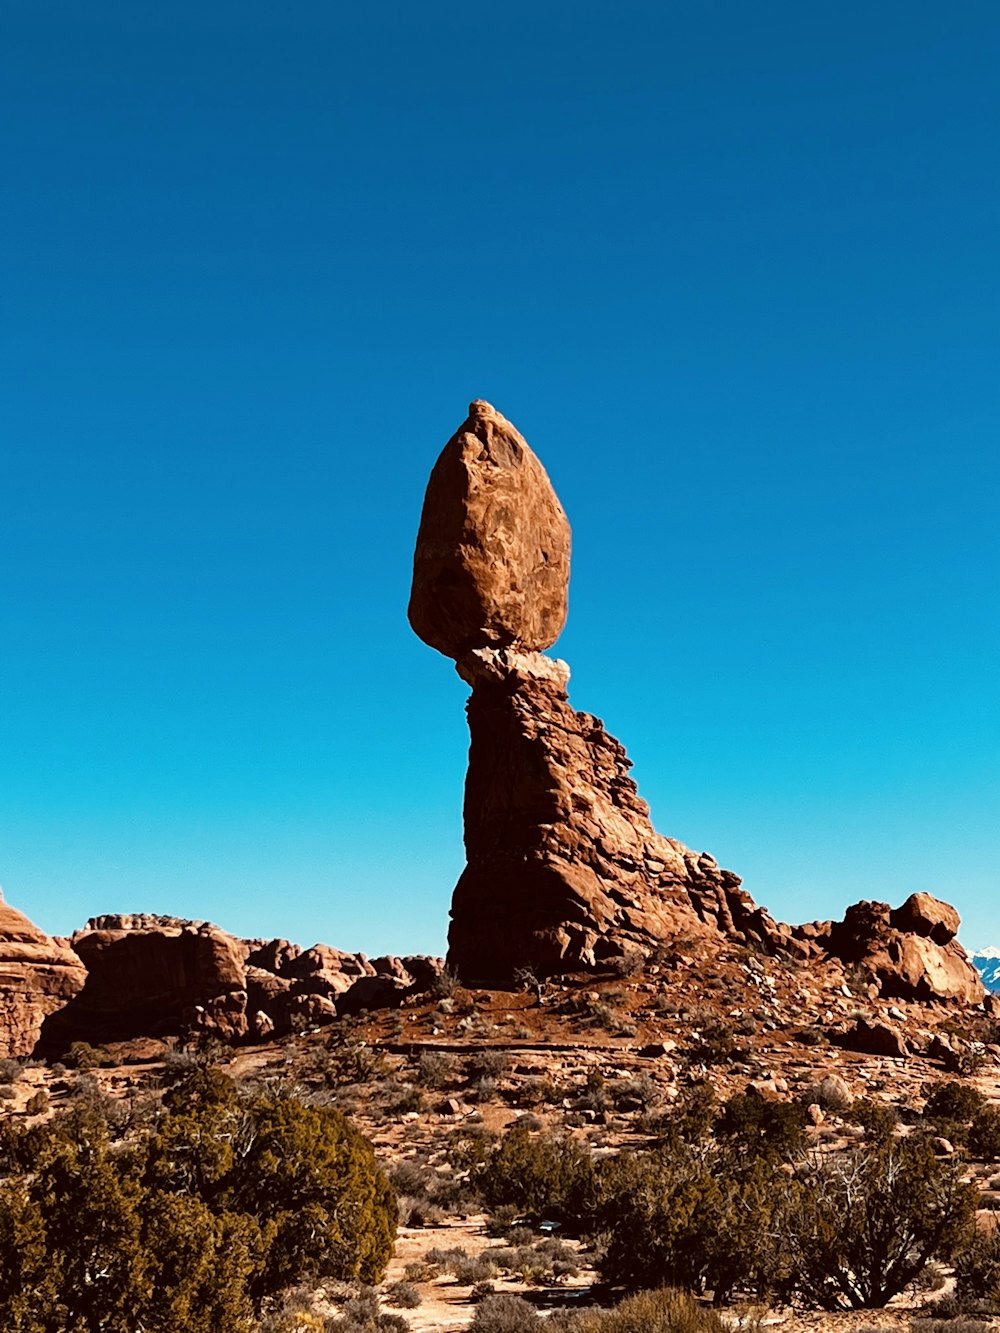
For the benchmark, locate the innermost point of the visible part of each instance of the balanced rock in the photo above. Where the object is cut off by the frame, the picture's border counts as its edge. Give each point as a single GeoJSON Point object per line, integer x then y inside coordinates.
{"type": "Point", "coordinates": [564, 868]}
{"type": "Point", "coordinates": [922, 914]}
{"type": "Point", "coordinates": [491, 566]}
{"type": "Point", "coordinates": [38, 976]}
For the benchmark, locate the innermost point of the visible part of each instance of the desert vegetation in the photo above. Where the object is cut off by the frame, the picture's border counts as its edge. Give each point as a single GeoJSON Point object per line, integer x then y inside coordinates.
{"type": "Point", "coordinates": [590, 1187]}
{"type": "Point", "coordinates": [193, 1223]}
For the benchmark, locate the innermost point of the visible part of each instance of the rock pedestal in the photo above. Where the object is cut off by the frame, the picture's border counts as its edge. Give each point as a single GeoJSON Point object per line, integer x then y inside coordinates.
{"type": "Point", "coordinates": [565, 870]}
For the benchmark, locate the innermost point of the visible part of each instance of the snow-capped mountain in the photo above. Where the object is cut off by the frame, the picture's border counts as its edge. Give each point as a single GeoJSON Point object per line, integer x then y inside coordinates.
{"type": "Point", "coordinates": [987, 964]}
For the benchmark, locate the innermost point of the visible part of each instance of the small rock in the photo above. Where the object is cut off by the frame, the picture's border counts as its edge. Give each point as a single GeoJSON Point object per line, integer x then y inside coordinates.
{"type": "Point", "coordinates": [764, 1088]}
{"type": "Point", "coordinates": [833, 1092]}
{"type": "Point", "coordinates": [874, 1039]}
{"type": "Point", "coordinates": [656, 1049]}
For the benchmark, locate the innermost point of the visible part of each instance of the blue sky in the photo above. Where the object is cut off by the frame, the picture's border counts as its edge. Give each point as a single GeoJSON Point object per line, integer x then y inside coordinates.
{"type": "Point", "coordinates": [733, 271]}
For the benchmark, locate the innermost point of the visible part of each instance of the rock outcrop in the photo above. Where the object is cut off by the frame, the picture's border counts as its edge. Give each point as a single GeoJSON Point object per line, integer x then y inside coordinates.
{"type": "Point", "coordinates": [144, 975]}
{"type": "Point", "coordinates": [911, 952]}
{"type": "Point", "coordinates": [564, 868]}
{"type": "Point", "coordinates": [38, 975]}
{"type": "Point", "coordinates": [159, 977]}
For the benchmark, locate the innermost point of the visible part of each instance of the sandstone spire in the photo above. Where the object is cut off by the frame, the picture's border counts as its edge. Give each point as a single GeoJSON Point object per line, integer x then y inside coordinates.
{"type": "Point", "coordinates": [564, 867]}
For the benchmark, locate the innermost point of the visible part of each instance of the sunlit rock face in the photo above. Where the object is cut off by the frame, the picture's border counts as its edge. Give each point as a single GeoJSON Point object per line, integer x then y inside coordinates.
{"type": "Point", "coordinates": [910, 952]}
{"type": "Point", "coordinates": [38, 976]}
{"type": "Point", "coordinates": [564, 868]}
{"type": "Point", "coordinates": [491, 566]}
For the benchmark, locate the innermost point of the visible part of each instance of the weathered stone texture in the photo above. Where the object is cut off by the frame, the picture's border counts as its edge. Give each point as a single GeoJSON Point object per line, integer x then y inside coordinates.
{"type": "Point", "coordinates": [153, 980]}
{"type": "Point", "coordinates": [911, 951]}
{"type": "Point", "coordinates": [491, 565]}
{"type": "Point", "coordinates": [38, 975]}
{"type": "Point", "coordinates": [564, 867]}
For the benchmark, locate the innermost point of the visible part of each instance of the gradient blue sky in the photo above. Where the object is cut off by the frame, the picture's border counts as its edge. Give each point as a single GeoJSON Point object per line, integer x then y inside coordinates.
{"type": "Point", "coordinates": [732, 269]}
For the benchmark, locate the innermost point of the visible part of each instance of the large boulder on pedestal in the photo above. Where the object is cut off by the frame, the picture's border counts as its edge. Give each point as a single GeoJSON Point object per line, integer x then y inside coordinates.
{"type": "Point", "coordinates": [491, 565]}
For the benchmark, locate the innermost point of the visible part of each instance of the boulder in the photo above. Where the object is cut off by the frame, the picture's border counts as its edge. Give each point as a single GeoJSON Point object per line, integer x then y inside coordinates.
{"type": "Point", "coordinates": [38, 976]}
{"type": "Point", "coordinates": [833, 1093]}
{"type": "Point", "coordinates": [323, 970]}
{"type": "Point", "coordinates": [911, 952]}
{"type": "Point", "coordinates": [926, 916]}
{"type": "Point", "coordinates": [491, 566]}
{"type": "Point", "coordinates": [272, 955]}
{"type": "Point", "coordinates": [875, 1039]}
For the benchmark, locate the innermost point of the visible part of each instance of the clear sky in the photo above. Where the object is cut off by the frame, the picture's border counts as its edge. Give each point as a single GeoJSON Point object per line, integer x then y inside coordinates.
{"type": "Point", "coordinates": [731, 268]}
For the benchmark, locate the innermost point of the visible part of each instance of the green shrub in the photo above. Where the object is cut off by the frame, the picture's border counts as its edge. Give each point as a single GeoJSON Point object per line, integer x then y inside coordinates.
{"type": "Point", "coordinates": [697, 1220]}
{"type": "Point", "coordinates": [953, 1101]}
{"type": "Point", "coordinates": [984, 1134]}
{"type": "Point", "coordinates": [877, 1120]}
{"type": "Point", "coordinates": [190, 1226]}
{"type": "Point", "coordinates": [665, 1311]}
{"type": "Point", "coordinates": [758, 1127]}
{"type": "Point", "coordinates": [537, 1173]}
{"type": "Point", "coordinates": [977, 1271]}
{"type": "Point", "coordinates": [859, 1228]}
{"type": "Point", "coordinates": [81, 1055]}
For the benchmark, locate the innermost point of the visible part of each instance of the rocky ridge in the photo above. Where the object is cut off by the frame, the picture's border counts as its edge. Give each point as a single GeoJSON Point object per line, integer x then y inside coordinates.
{"type": "Point", "coordinates": [153, 976]}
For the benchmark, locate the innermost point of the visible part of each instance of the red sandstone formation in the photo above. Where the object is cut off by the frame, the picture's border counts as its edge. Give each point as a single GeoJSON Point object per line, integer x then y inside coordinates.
{"type": "Point", "coordinates": [157, 976]}
{"type": "Point", "coordinates": [564, 869]}
{"type": "Point", "coordinates": [152, 976]}
{"type": "Point", "coordinates": [910, 952]}
{"type": "Point", "coordinates": [492, 560]}
{"type": "Point", "coordinates": [38, 975]}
